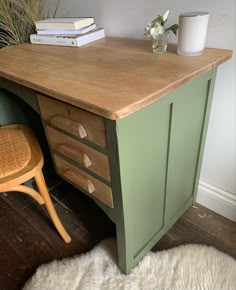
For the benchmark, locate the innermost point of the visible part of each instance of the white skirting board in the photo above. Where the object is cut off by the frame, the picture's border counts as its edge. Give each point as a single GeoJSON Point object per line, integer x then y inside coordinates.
{"type": "Point", "coordinates": [216, 199]}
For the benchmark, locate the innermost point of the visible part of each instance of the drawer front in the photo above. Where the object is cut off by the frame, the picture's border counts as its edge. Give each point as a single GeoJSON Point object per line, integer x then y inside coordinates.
{"type": "Point", "coordinates": [79, 153]}
{"type": "Point", "coordinates": [84, 181]}
{"type": "Point", "coordinates": [75, 121]}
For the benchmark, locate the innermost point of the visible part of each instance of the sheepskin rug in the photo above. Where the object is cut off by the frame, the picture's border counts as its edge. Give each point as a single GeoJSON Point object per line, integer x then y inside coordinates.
{"type": "Point", "coordinates": [184, 267]}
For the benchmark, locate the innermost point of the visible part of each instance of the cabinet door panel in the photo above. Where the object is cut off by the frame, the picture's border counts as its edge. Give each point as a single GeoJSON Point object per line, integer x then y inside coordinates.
{"type": "Point", "coordinates": [142, 144]}
{"type": "Point", "coordinates": [188, 111]}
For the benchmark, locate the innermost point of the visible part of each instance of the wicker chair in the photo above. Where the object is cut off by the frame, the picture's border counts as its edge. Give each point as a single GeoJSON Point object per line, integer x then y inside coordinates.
{"type": "Point", "coordinates": [20, 160]}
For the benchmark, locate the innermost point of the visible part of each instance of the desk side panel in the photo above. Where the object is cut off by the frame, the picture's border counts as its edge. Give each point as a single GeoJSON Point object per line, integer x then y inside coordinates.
{"type": "Point", "coordinates": [159, 158]}
{"type": "Point", "coordinates": [143, 146]}
{"type": "Point", "coordinates": [188, 110]}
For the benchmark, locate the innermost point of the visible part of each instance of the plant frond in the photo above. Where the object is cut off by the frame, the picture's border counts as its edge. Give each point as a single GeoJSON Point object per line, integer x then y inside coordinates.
{"type": "Point", "coordinates": [17, 19]}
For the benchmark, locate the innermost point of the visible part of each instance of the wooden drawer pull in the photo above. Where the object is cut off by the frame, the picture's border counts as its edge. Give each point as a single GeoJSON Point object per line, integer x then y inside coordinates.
{"type": "Point", "coordinates": [80, 180]}
{"type": "Point", "coordinates": [68, 125]}
{"type": "Point", "coordinates": [75, 154]}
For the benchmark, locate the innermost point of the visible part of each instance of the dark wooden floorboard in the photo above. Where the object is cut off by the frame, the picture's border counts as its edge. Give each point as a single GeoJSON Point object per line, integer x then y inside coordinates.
{"type": "Point", "coordinates": [28, 238]}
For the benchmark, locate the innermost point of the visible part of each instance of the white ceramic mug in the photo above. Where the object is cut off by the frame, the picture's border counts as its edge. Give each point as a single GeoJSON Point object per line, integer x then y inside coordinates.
{"type": "Point", "coordinates": [192, 33]}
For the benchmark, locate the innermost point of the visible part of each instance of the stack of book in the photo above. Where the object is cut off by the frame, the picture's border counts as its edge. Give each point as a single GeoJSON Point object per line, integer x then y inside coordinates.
{"type": "Point", "coordinates": [66, 31]}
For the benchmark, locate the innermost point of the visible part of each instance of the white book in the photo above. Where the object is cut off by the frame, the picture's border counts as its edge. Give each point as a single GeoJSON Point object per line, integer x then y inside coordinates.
{"type": "Point", "coordinates": [67, 31]}
{"type": "Point", "coordinates": [68, 40]}
{"type": "Point", "coordinates": [64, 23]}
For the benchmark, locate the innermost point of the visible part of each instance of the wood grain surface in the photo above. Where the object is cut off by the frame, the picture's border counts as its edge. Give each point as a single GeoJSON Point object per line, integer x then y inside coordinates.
{"type": "Point", "coordinates": [111, 77]}
{"type": "Point", "coordinates": [28, 239]}
{"type": "Point", "coordinates": [78, 177]}
{"type": "Point", "coordinates": [73, 120]}
{"type": "Point", "coordinates": [98, 161]}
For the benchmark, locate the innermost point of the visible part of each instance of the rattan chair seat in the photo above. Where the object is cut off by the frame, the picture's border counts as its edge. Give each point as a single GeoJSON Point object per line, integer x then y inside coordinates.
{"type": "Point", "coordinates": [21, 159]}
{"type": "Point", "coordinates": [15, 152]}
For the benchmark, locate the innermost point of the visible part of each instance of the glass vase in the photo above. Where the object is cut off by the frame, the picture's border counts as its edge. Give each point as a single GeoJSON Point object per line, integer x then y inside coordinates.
{"type": "Point", "coordinates": [159, 43]}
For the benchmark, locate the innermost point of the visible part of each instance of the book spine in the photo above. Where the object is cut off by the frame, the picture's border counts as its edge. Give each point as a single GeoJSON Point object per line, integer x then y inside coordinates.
{"type": "Point", "coordinates": [66, 32]}
{"type": "Point", "coordinates": [36, 39]}
{"type": "Point", "coordinates": [54, 26]}
{"type": "Point", "coordinates": [64, 25]}
{"type": "Point", "coordinates": [90, 38]}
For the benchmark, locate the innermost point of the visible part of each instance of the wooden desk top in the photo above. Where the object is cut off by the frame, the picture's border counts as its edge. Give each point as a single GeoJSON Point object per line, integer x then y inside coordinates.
{"type": "Point", "coordinates": [112, 77]}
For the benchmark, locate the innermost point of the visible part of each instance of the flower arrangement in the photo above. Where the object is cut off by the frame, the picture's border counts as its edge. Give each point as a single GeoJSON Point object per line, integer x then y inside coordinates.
{"type": "Point", "coordinates": [159, 33]}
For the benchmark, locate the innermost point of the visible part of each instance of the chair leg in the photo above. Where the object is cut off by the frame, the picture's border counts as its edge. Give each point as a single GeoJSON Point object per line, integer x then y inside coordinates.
{"type": "Point", "coordinates": [30, 191]}
{"type": "Point", "coordinates": [39, 178]}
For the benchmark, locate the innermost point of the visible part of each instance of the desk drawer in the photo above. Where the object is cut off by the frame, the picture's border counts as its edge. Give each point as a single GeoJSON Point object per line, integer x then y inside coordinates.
{"type": "Point", "coordinates": [84, 181]}
{"type": "Point", "coordinates": [75, 121]}
{"type": "Point", "coordinates": [79, 153]}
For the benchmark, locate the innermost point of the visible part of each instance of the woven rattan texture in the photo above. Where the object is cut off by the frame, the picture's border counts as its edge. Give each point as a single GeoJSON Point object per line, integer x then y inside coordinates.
{"type": "Point", "coordinates": [15, 152]}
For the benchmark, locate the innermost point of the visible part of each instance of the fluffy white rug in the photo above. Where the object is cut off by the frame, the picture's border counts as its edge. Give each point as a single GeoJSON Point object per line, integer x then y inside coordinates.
{"type": "Point", "coordinates": [184, 267]}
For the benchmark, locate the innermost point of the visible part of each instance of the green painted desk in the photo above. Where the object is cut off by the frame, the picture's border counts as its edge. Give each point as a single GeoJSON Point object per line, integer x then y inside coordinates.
{"type": "Point", "coordinates": [140, 119]}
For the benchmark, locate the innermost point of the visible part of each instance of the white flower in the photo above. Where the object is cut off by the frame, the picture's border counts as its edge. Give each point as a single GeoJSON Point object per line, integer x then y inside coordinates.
{"type": "Point", "coordinates": [156, 30]}
{"type": "Point", "coordinates": [165, 16]}
{"type": "Point", "coordinates": [157, 26]}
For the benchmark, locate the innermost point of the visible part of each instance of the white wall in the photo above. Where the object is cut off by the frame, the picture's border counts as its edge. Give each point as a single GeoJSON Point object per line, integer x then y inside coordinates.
{"type": "Point", "coordinates": [128, 19]}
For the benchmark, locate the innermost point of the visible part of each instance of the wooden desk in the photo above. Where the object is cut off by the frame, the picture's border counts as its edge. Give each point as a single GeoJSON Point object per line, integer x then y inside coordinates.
{"type": "Point", "coordinates": [125, 126]}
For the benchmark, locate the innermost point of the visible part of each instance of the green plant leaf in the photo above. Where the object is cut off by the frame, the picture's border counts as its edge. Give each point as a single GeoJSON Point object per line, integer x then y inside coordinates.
{"type": "Point", "coordinates": [173, 28]}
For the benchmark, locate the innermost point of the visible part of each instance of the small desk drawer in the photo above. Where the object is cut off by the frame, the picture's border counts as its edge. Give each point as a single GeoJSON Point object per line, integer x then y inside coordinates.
{"type": "Point", "coordinates": [84, 181]}
{"type": "Point", "coordinates": [79, 153]}
{"type": "Point", "coordinates": [75, 121]}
